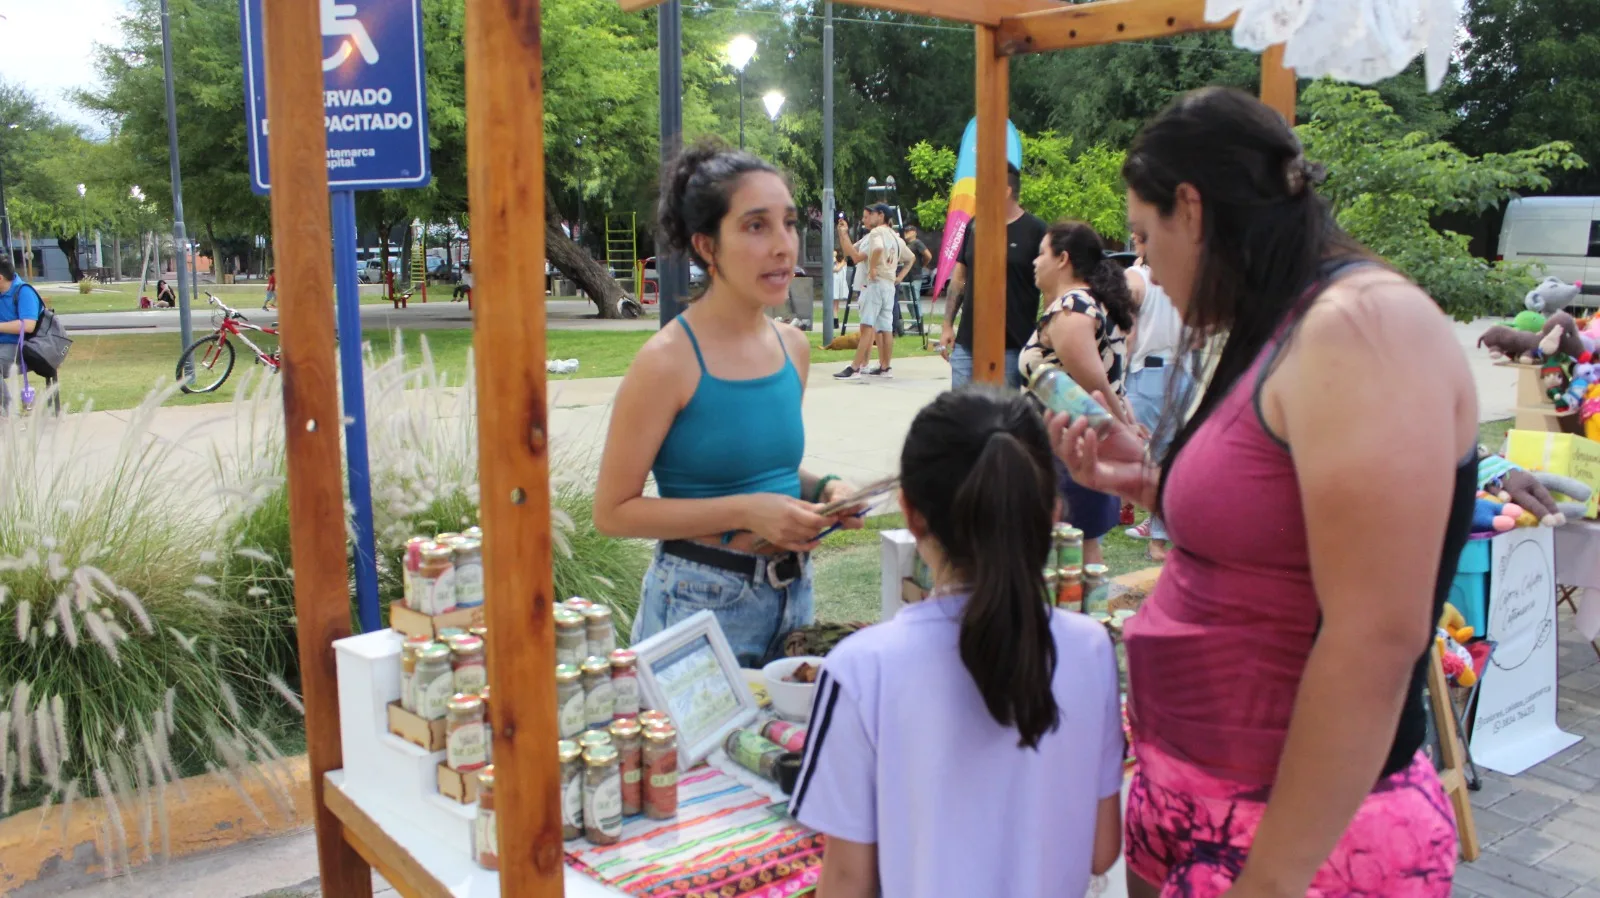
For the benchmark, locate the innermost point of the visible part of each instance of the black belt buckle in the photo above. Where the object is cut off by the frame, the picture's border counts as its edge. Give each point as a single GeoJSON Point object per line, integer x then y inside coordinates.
{"type": "Point", "coordinates": [784, 570]}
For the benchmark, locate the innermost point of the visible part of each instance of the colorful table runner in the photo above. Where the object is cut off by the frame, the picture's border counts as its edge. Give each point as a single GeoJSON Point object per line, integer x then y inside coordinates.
{"type": "Point", "coordinates": [724, 843]}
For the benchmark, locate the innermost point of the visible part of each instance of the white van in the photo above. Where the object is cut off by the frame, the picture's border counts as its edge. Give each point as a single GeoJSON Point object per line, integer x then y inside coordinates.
{"type": "Point", "coordinates": [1561, 234]}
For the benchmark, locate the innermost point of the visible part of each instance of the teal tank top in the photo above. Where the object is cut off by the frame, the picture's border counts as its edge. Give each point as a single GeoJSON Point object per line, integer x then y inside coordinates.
{"type": "Point", "coordinates": [735, 437]}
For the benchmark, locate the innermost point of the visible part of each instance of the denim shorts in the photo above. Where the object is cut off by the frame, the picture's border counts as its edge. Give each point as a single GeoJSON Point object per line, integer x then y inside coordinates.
{"type": "Point", "coordinates": [961, 368]}
{"type": "Point", "coordinates": [756, 617]}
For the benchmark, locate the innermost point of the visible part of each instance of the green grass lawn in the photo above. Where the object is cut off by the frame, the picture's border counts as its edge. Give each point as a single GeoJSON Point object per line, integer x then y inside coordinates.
{"type": "Point", "coordinates": [117, 370]}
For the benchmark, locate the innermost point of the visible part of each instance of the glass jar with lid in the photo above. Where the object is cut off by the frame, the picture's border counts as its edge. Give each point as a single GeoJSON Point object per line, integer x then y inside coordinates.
{"type": "Point", "coordinates": [1096, 588]}
{"type": "Point", "coordinates": [435, 591]}
{"type": "Point", "coordinates": [625, 683]}
{"type": "Point", "coordinates": [466, 657]}
{"type": "Point", "coordinates": [570, 714]}
{"type": "Point", "coordinates": [592, 738]}
{"type": "Point", "coordinates": [485, 837]}
{"type": "Point", "coordinates": [627, 736]}
{"type": "Point", "coordinates": [661, 772]}
{"type": "Point", "coordinates": [572, 640]}
{"type": "Point", "coordinates": [410, 651]}
{"type": "Point", "coordinates": [466, 737]}
{"type": "Point", "coordinates": [433, 683]}
{"type": "Point", "coordinates": [467, 556]}
{"type": "Point", "coordinates": [601, 633]}
{"type": "Point", "coordinates": [571, 789]}
{"type": "Point", "coordinates": [1070, 585]}
{"type": "Point", "coordinates": [599, 698]}
{"type": "Point", "coordinates": [602, 795]}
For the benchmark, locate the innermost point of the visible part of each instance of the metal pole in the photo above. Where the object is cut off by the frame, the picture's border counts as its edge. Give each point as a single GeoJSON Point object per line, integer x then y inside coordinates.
{"type": "Point", "coordinates": [348, 299]}
{"type": "Point", "coordinates": [180, 236]}
{"type": "Point", "coordinates": [672, 269]}
{"type": "Point", "coordinates": [741, 109]}
{"type": "Point", "coordinates": [828, 273]}
{"type": "Point", "coordinates": [5, 217]}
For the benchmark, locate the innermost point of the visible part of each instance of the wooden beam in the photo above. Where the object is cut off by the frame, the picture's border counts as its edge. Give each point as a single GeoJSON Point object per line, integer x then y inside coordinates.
{"type": "Point", "coordinates": [506, 190]}
{"type": "Point", "coordinates": [989, 254]}
{"type": "Point", "coordinates": [1278, 87]}
{"type": "Point", "coordinates": [972, 12]}
{"type": "Point", "coordinates": [302, 234]}
{"type": "Point", "coordinates": [1102, 22]}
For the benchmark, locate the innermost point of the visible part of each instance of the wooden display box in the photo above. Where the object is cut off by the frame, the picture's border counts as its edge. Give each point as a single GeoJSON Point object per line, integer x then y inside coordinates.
{"type": "Point", "coordinates": [427, 735]}
{"type": "Point", "coordinates": [415, 623]}
{"type": "Point", "coordinates": [460, 785]}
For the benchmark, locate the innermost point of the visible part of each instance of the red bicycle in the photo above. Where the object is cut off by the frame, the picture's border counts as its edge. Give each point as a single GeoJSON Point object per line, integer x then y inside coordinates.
{"type": "Point", "coordinates": [212, 356]}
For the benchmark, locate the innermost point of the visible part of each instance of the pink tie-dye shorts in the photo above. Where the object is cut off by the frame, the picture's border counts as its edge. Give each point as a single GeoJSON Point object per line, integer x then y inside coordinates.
{"type": "Point", "coordinates": [1189, 832]}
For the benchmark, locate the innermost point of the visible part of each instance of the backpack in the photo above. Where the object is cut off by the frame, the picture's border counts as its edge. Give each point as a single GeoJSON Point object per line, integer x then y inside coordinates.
{"type": "Point", "coordinates": [45, 350]}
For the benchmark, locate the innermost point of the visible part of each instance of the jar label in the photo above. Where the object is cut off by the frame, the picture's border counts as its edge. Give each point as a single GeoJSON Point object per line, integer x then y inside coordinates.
{"type": "Point", "coordinates": [632, 776]}
{"type": "Point", "coordinates": [438, 594]}
{"type": "Point", "coordinates": [602, 644]}
{"type": "Point", "coordinates": [467, 746]}
{"type": "Point", "coordinates": [407, 700]}
{"type": "Point", "coordinates": [572, 802]}
{"type": "Point", "coordinates": [627, 690]}
{"type": "Point", "coordinates": [603, 809]}
{"type": "Point", "coordinates": [434, 697]}
{"type": "Point", "coordinates": [471, 678]}
{"type": "Point", "coordinates": [663, 780]}
{"type": "Point", "coordinates": [601, 700]}
{"type": "Point", "coordinates": [572, 720]}
{"type": "Point", "coordinates": [484, 834]}
{"type": "Point", "coordinates": [469, 584]}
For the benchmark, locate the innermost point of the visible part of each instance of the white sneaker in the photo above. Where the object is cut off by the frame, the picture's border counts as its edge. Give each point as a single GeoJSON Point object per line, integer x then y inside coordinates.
{"type": "Point", "coordinates": [882, 373]}
{"type": "Point", "coordinates": [849, 373]}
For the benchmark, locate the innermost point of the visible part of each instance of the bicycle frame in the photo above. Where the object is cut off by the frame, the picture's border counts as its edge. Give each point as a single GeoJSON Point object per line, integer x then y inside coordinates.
{"type": "Point", "coordinates": [234, 325]}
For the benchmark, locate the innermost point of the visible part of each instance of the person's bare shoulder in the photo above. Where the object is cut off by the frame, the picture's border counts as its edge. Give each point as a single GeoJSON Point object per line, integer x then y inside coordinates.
{"type": "Point", "coordinates": [667, 358]}
{"type": "Point", "coordinates": [1378, 311]}
{"type": "Point", "coordinates": [798, 345]}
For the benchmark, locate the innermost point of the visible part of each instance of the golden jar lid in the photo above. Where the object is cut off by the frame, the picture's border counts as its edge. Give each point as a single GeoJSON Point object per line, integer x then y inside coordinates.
{"type": "Point", "coordinates": [594, 664]}
{"type": "Point", "coordinates": [660, 732]}
{"type": "Point", "coordinates": [623, 658]}
{"type": "Point", "coordinates": [626, 728]}
{"type": "Point", "coordinates": [464, 703]}
{"type": "Point", "coordinates": [567, 618]}
{"type": "Point", "coordinates": [486, 777]}
{"type": "Point", "coordinates": [434, 652]}
{"type": "Point", "coordinates": [465, 643]}
{"type": "Point", "coordinates": [597, 613]}
{"type": "Point", "coordinates": [600, 755]}
{"type": "Point", "coordinates": [568, 750]}
{"type": "Point", "coordinates": [591, 738]}
{"type": "Point", "coordinates": [566, 673]}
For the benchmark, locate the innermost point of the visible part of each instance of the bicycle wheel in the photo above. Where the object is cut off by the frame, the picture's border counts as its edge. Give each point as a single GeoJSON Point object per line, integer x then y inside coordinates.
{"type": "Point", "coordinates": [213, 362]}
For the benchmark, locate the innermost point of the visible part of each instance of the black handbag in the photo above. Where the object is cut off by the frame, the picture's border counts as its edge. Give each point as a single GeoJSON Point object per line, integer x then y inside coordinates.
{"type": "Point", "coordinates": [45, 350]}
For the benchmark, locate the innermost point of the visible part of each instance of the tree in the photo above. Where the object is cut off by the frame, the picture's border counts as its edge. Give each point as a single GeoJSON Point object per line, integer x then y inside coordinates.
{"type": "Point", "coordinates": [1385, 182]}
{"type": "Point", "coordinates": [1528, 75]}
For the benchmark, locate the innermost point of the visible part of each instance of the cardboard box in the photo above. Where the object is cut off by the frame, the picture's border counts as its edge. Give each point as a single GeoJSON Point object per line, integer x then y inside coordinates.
{"type": "Point", "coordinates": [461, 785]}
{"type": "Point", "coordinates": [415, 623]}
{"type": "Point", "coordinates": [1559, 453]}
{"type": "Point", "coordinates": [425, 734]}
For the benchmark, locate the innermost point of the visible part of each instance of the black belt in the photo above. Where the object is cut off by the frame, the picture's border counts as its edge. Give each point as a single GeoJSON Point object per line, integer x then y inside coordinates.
{"type": "Point", "coordinates": [777, 570]}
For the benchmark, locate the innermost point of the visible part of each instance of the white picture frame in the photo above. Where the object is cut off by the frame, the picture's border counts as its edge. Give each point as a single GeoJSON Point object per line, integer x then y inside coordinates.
{"type": "Point", "coordinates": [691, 664]}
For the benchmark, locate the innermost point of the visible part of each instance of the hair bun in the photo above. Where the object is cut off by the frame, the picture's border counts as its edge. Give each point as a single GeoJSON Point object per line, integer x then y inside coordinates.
{"type": "Point", "coordinates": [1301, 172]}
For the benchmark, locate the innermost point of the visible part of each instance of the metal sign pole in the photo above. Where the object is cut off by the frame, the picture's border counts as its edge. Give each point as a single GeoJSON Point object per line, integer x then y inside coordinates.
{"type": "Point", "coordinates": [354, 393]}
{"type": "Point", "coordinates": [672, 269]}
{"type": "Point", "coordinates": [828, 274]}
{"type": "Point", "coordinates": [180, 236]}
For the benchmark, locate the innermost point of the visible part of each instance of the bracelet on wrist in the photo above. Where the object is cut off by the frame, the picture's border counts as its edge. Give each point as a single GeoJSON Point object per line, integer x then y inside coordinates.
{"type": "Point", "coordinates": [822, 486]}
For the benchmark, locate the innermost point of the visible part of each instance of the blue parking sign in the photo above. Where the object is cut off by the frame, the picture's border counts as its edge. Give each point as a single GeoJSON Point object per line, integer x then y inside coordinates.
{"type": "Point", "coordinates": [375, 104]}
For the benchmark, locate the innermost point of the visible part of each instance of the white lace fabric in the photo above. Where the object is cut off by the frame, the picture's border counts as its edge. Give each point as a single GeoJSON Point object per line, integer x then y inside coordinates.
{"type": "Point", "coordinates": [1362, 41]}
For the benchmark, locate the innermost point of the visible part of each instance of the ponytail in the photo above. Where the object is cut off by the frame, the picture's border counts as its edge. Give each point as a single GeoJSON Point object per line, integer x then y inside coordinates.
{"type": "Point", "coordinates": [995, 531]}
{"type": "Point", "coordinates": [1108, 284]}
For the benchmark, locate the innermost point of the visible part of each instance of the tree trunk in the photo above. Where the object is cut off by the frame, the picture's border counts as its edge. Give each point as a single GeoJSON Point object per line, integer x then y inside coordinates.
{"type": "Point", "coordinates": [69, 248]}
{"type": "Point", "coordinates": [578, 266]}
{"type": "Point", "coordinates": [405, 253]}
{"type": "Point", "coordinates": [384, 228]}
{"type": "Point", "coordinates": [116, 252]}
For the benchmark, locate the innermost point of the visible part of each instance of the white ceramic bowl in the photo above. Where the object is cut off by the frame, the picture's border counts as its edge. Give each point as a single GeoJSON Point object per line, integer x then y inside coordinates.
{"type": "Point", "coordinates": [791, 700]}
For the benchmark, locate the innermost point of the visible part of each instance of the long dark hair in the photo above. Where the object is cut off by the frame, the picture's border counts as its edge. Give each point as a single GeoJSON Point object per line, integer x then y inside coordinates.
{"type": "Point", "coordinates": [1087, 253]}
{"type": "Point", "coordinates": [976, 467]}
{"type": "Point", "coordinates": [696, 188]}
{"type": "Point", "coordinates": [1266, 233]}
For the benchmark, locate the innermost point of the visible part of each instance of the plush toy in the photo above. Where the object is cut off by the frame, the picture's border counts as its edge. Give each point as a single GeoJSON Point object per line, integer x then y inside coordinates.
{"type": "Point", "coordinates": [1528, 322]}
{"type": "Point", "coordinates": [1453, 622]}
{"type": "Point", "coordinates": [1561, 335]}
{"type": "Point", "coordinates": [1488, 516]}
{"type": "Point", "coordinates": [1457, 661]}
{"type": "Point", "coordinates": [1590, 413]}
{"type": "Point", "coordinates": [1526, 490]}
{"type": "Point", "coordinates": [1551, 295]}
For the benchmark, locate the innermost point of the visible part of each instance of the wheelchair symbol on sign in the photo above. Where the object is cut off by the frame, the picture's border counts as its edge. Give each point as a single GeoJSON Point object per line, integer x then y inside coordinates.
{"type": "Point", "coordinates": [338, 20]}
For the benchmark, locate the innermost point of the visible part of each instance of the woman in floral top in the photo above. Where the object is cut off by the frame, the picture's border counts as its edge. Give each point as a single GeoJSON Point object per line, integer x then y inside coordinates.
{"type": "Point", "coordinates": [1083, 331]}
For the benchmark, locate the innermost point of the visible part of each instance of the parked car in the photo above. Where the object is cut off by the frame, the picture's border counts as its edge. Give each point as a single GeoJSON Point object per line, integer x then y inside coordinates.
{"type": "Point", "coordinates": [444, 270]}
{"type": "Point", "coordinates": [371, 271]}
{"type": "Point", "coordinates": [1558, 234]}
{"type": "Point", "coordinates": [697, 275]}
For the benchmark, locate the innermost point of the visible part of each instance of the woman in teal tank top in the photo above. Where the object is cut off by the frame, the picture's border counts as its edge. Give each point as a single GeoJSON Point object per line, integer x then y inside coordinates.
{"type": "Point", "coordinates": [712, 407]}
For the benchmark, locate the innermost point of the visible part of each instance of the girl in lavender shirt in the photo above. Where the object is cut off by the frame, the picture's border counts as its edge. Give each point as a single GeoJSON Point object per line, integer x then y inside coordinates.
{"type": "Point", "coordinates": [973, 744]}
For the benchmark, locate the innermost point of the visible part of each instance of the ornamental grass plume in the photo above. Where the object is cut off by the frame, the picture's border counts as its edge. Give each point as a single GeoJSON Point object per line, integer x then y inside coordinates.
{"type": "Point", "coordinates": [126, 644]}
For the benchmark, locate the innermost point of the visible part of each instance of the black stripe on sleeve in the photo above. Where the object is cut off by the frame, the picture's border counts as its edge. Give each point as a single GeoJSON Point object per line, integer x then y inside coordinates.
{"type": "Point", "coordinates": [827, 697]}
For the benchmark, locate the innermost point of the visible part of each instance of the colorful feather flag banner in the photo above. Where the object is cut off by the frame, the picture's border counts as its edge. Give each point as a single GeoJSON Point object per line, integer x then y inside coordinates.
{"type": "Point", "coordinates": [964, 197]}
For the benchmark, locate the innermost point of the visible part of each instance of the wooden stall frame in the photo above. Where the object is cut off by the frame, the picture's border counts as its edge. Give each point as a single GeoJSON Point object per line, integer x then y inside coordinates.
{"type": "Point", "coordinates": [506, 189]}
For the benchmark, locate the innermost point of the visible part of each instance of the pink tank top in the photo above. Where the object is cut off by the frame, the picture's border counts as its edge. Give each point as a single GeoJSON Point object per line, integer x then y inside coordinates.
{"type": "Point", "coordinates": [1216, 654]}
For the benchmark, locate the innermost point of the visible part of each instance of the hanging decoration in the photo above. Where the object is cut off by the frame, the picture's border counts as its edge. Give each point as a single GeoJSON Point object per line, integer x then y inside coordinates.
{"type": "Point", "coordinates": [1363, 41]}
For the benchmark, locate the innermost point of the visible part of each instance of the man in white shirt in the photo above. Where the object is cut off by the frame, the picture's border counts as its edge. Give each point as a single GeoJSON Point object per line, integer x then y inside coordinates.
{"type": "Point", "coordinates": [887, 260]}
{"type": "Point", "coordinates": [1155, 370]}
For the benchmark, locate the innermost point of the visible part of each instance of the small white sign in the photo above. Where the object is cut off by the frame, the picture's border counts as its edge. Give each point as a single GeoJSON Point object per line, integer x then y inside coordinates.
{"type": "Point", "coordinates": [1515, 727]}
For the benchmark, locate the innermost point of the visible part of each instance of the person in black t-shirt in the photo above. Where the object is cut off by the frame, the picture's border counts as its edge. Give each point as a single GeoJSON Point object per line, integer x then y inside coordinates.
{"type": "Point", "coordinates": [1024, 233]}
{"type": "Point", "coordinates": [920, 250]}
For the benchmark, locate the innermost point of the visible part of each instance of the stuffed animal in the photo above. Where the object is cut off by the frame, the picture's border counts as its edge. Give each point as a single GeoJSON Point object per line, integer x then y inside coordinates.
{"type": "Point", "coordinates": [1457, 661]}
{"type": "Point", "coordinates": [1590, 412]}
{"type": "Point", "coordinates": [1561, 335]}
{"type": "Point", "coordinates": [1528, 322]}
{"type": "Point", "coordinates": [1453, 622]}
{"type": "Point", "coordinates": [1526, 490]}
{"type": "Point", "coordinates": [1551, 295]}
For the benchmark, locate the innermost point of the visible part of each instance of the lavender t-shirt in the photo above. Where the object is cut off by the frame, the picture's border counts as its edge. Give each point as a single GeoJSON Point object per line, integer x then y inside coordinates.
{"type": "Point", "coordinates": [902, 753]}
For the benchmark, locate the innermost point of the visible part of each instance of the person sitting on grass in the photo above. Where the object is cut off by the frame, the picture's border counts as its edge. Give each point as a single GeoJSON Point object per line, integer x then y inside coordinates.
{"type": "Point", "coordinates": [979, 713]}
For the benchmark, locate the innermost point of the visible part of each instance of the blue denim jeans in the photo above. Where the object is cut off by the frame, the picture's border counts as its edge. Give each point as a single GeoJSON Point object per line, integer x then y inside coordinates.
{"type": "Point", "coordinates": [1147, 393]}
{"type": "Point", "coordinates": [961, 368]}
{"type": "Point", "coordinates": [756, 617]}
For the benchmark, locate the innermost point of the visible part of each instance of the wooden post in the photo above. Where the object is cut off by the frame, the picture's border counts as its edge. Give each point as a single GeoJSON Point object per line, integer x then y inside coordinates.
{"type": "Point", "coordinates": [505, 183]}
{"type": "Point", "coordinates": [301, 225]}
{"type": "Point", "coordinates": [1452, 756]}
{"type": "Point", "coordinates": [989, 255]}
{"type": "Point", "coordinates": [1278, 88]}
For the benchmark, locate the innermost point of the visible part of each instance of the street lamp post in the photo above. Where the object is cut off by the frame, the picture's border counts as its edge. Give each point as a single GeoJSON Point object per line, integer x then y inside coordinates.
{"type": "Point", "coordinates": [740, 51]}
{"type": "Point", "coordinates": [180, 236]}
{"type": "Point", "coordinates": [83, 223]}
{"type": "Point", "coordinates": [774, 102]}
{"type": "Point", "coordinates": [828, 273]}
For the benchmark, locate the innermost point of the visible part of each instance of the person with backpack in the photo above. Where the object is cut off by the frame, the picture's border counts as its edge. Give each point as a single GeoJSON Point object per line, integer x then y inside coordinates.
{"type": "Point", "coordinates": [20, 308]}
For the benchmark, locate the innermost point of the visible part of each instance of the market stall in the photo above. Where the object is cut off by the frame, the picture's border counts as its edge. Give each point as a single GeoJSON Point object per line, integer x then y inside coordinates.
{"type": "Point", "coordinates": [375, 807]}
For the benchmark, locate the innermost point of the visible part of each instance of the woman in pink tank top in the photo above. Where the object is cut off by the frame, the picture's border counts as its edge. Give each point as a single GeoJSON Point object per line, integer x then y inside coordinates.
{"type": "Point", "coordinates": [1317, 500]}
